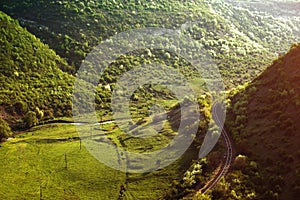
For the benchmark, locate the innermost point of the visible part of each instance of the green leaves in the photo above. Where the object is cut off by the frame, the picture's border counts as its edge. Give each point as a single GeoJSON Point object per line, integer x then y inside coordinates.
{"type": "Point", "coordinates": [30, 76]}
{"type": "Point", "coordinates": [5, 130]}
{"type": "Point", "coordinates": [30, 119]}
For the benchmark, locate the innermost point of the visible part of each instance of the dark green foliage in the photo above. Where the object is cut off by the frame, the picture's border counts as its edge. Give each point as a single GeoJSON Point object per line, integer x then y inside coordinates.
{"type": "Point", "coordinates": [193, 176]}
{"type": "Point", "coordinates": [240, 42]}
{"type": "Point", "coordinates": [30, 77]}
{"type": "Point", "coordinates": [30, 119]}
{"type": "Point", "coordinates": [5, 130]}
{"type": "Point", "coordinates": [20, 107]}
{"type": "Point", "coordinates": [264, 121]}
{"type": "Point", "coordinates": [72, 28]}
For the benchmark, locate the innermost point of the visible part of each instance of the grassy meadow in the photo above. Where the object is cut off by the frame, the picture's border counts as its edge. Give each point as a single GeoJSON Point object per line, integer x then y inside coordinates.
{"type": "Point", "coordinates": [47, 162]}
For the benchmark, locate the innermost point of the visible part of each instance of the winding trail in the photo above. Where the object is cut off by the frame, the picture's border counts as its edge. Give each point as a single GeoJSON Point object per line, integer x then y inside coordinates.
{"type": "Point", "coordinates": [222, 171]}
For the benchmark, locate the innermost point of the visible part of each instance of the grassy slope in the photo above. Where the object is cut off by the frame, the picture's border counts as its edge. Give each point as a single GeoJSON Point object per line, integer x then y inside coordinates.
{"type": "Point", "coordinates": [37, 158]}
{"type": "Point", "coordinates": [30, 74]}
{"type": "Point", "coordinates": [264, 121]}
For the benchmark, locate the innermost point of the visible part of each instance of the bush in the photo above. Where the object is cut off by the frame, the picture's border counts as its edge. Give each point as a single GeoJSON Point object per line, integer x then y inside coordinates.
{"type": "Point", "coordinates": [20, 107]}
{"type": "Point", "coordinates": [5, 130]}
{"type": "Point", "coordinates": [30, 119]}
{"type": "Point", "coordinates": [48, 114]}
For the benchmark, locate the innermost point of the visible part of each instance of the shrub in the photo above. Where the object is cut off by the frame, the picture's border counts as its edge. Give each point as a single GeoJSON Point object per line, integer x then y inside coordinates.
{"type": "Point", "coordinates": [5, 130]}
{"type": "Point", "coordinates": [20, 107]}
{"type": "Point", "coordinates": [48, 114]}
{"type": "Point", "coordinates": [30, 119]}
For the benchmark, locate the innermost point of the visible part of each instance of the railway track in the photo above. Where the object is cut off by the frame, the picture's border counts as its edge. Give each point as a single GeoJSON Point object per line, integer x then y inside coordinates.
{"type": "Point", "coordinates": [228, 159]}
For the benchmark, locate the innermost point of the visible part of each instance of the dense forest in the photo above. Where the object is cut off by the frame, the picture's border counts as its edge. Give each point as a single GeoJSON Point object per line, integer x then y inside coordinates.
{"type": "Point", "coordinates": [263, 120]}
{"type": "Point", "coordinates": [32, 84]}
{"type": "Point", "coordinates": [242, 43]}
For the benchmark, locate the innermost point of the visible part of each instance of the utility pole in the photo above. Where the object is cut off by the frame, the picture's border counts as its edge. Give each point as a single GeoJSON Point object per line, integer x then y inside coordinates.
{"type": "Point", "coordinates": [66, 161]}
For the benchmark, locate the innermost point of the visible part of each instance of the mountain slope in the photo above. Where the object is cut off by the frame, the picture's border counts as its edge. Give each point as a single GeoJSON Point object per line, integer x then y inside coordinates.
{"type": "Point", "coordinates": [264, 121]}
{"type": "Point", "coordinates": [241, 42]}
{"type": "Point", "coordinates": [30, 78]}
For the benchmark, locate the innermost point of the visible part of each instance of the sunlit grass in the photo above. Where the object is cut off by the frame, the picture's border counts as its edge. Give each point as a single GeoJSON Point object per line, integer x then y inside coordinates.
{"type": "Point", "coordinates": [49, 159]}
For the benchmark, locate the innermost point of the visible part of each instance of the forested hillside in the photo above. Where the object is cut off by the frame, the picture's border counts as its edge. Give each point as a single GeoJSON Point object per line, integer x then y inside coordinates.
{"type": "Point", "coordinates": [241, 43]}
{"type": "Point", "coordinates": [264, 122]}
{"type": "Point", "coordinates": [279, 8]}
{"type": "Point", "coordinates": [32, 85]}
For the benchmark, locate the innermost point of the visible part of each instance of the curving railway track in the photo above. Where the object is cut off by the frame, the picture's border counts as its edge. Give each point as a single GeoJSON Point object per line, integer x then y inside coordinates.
{"type": "Point", "coordinates": [228, 157]}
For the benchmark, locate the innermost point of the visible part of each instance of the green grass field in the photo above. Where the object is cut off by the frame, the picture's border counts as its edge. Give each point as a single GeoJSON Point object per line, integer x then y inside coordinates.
{"type": "Point", "coordinates": [33, 165]}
